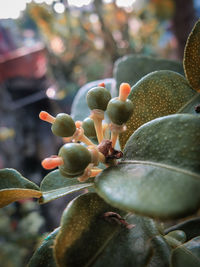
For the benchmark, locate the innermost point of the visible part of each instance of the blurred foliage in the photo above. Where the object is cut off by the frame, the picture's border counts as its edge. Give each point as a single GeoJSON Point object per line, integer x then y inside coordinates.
{"type": "Point", "coordinates": [19, 232]}
{"type": "Point", "coordinates": [84, 43]}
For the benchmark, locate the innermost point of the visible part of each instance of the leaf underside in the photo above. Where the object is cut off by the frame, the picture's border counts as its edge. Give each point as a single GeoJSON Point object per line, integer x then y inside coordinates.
{"type": "Point", "coordinates": [14, 187]}
{"type": "Point", "coordinates": [54, 186]}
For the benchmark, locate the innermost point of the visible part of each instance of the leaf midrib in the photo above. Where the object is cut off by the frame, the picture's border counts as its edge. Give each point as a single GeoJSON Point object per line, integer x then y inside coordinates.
{"type": "Point", "coordinates": [66, 187]}
{"type": "Point", "coordinates": [101, 249]}
{"type": "Point", "coordinates": [161, 165]}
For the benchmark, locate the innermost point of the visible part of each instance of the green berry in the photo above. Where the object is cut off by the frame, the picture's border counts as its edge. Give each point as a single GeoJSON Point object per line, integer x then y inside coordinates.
{"type": "Point", "coordinates": [76, 158]}
{"type": "Point", "coordinates": [98, 98]}
{"type": "Point", "coordinates": [119, 111]}
{"type": "Point", "coordinates": [63, 126]}
{"type": "Point", "coordinates": [89, 128]}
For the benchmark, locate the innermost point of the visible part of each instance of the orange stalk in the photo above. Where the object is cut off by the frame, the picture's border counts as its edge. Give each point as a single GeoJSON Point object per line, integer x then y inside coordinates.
{"type": "Point", "coordinates": [45, 116]}
{"type": "Point", "coordinates": [124, 91]}
{"type": "Point", "coordinates": [52, 162]}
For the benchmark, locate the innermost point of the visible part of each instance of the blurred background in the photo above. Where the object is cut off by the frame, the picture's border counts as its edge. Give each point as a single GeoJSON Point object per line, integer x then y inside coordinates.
{"type": "Point", "coordinates": [48, 50]}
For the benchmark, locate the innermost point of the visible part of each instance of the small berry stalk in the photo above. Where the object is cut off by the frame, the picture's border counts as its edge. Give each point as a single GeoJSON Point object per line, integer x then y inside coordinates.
{"type": "Point", "coordinates": [76, 160]}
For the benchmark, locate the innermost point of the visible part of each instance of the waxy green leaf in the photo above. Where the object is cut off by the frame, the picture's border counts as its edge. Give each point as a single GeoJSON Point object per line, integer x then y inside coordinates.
{"type": "Point", "coordinates": [14, 187]}
{"type": "Point", "coordinates": [190, 227]}
{"type": "Point", "coordinates": [43, 256]}
{"type": "Point", "coordinates": [88, 237]}
{"type": "Point", "coordinates": [158, 94]}
{"type": "Point", "coordinates": [160, 172]}
{"type": "Point", "coordinates": [132, 68]}
{"type": "Point", "coordinates": [192, 58]}
{"type": "Point", "coordinates": [54, 186]}
{"type": "Point", "coordinates": [187, 255]}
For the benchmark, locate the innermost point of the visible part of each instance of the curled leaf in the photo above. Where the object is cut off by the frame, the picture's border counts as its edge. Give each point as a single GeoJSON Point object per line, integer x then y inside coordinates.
{"type": "Point", "coordinates": [54, 186]}
{"type": "Point", "coordinates": [14, 187]}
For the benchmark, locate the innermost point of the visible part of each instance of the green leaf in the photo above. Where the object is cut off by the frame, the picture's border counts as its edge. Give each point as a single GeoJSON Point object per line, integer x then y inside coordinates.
{"type": "Point", "coordinates": [158, 94]}
{"type": "Point", "coordinates": [175, 238]}
{"type": "Point", "coordinates": [161, 252]}
{"type": "Point", "coordinates": [43, 256]}
{"type": "Point", "coordinates": [159, 175]}
{"type": "Point", "coordinates": [80, 110]}
{"type": "Point", "coordinates": [132, 68]}
{"type": "Point", "coordinates": [87, 238]}
{"type": "Point", "coordinates": [190, 106]}
{"type": "Point", "coordinates": [192, 57]}
{"type": "Point", "coordinates": [14, 187]}
{"type": "Point", "coordinates": [54, 186]}
{"type": "Point", "coordinates": [142, 246]}
{"type": "Point", "coordinates": [190, 227]}
{"type": "Point", "coordinates": [187, 255]}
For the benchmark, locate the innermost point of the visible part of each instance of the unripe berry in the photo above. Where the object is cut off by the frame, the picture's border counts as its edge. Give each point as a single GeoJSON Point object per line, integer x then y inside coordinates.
{"type": "Point", "coordinates": [89, 129]}
{"type": "Point", "coordinates": [98, 98]}
{"type": "Point", "coordinates": [63, 125]}
{"type": "Point", "coordinates": [119, 111]}
{"type": "Point", "coordinates": [76, 158]}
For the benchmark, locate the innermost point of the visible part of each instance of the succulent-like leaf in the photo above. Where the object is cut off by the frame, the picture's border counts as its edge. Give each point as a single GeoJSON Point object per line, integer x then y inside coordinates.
{"type": "Point", "coordinates": [190, 227]}
{"type": "Point", "coordinates": [80, 109]}
{"type": "Point", "coordinates": [161, 252]}
{"type": "Point", "coordinates": [132, 68]}
{"type": "Point", "coordinates": [160, 172]}
{"type": "Point", "coordinates": [187, 255]}
{"type": "Point", "coordinates": [43, 256]}
{"type": "Point", "coordinates": [157, 94]}
{"type": "Point", "coordinates": [90, 237]}
{"type": "Point", "coordinates": [175, 238]}
{"type": "Point", "coordinates": [13, 187]}
{"type": "Point", "coordinates": [192, 57]}
{"type": "Point", "coordinates": [54, 186]}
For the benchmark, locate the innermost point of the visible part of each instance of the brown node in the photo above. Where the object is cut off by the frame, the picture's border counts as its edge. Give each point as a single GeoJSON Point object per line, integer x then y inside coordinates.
{"type": "Point", "coordinates": [105, 147]}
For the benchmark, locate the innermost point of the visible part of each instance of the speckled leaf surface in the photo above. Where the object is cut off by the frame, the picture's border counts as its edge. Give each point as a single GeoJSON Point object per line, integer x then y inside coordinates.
{"type": "Point", "coordinates": [191, 105]}
{"type": "Point", "coordinates": [142, 246]}
{"type": "Point", "coordinates": [54, 186]}
{"type": "Point", "coordinates": [43, 256]}
{"type": "Point", "coordinates": [158, 94]}
{"type": "Point", "coordinates": [187, 255]}
{"type": "Point", "coordinates": [159, 175]}
{"type": "Point", "coordinates": [192, 58]}
{"type": "Point", "coordinates": [132, 68]}
{"type": "Point", "coordinates": [88, 239]}
{"type": "Point", "coordinates": [13, 187]}
{"type": "Point", "coordinates": [80, 110]}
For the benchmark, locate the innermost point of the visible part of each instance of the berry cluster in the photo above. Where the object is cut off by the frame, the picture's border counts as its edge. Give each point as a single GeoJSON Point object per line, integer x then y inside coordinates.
{"type": "Point", "coordinates": [77, 160]}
